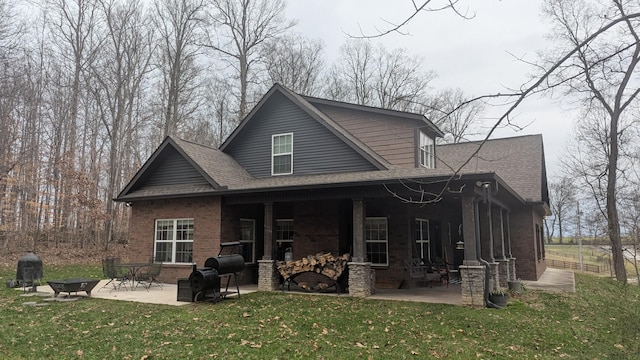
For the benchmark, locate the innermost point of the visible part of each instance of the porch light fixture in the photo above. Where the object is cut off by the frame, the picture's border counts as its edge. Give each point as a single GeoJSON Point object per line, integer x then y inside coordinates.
{"type": "Point", "coordinates": [460, 245]}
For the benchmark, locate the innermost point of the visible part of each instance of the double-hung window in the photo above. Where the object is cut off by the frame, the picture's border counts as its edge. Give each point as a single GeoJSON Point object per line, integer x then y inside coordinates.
{"type": "Point", "coordinates": [248, 239]}
{"type": "Point", "coordinates": [426, 150]}
{"type": "Point", "coordinates": [174, 240]}
{"type": "Point", "coordinates": [284, 238]}
{"type": "Point", "coordinates": [422, 239]}
{"type": "Point", "coordinates": [377, 240]}
{"type": "Point", "coordinates": [282, 154]}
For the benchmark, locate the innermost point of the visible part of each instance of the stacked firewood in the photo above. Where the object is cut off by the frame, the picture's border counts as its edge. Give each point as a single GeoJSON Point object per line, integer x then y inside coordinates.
{"type": "Point", "coordinates": [321, 263]}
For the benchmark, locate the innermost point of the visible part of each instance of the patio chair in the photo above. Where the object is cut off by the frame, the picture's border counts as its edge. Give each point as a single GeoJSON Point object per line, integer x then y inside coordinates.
{"type": "Point", "coordinates": [150, 276]}
{"type": "Point", "coordinates": [116, 275]}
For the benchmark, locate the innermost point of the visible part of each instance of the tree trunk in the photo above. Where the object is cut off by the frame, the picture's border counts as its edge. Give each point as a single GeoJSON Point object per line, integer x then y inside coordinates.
{"type": "Point", "coordinates": [613, 222]}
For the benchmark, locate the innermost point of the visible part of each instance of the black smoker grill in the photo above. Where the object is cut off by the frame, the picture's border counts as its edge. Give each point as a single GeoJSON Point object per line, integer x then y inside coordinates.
{"type": "Point", "coordinates": [29, 270]}
{"type": "Point", "coordinates": [205, 282]}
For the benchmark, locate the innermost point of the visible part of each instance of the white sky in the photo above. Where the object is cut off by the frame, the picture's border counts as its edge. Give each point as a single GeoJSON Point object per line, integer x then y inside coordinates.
{"type": "Point", "coordinates": [475, 55]}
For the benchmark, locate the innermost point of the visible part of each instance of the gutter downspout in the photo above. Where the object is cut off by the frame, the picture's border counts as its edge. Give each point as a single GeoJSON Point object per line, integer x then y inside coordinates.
{"type": "Point", "coordinates": [486, 188]}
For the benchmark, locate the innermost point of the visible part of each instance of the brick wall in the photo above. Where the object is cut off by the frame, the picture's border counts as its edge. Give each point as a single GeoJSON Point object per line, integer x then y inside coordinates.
{"type": "Point", "coordinates": [316, 228]}
{"type": "Point", "coordinates": [206, 213]}
{"type": "Point", "coordinates": [524, 245]}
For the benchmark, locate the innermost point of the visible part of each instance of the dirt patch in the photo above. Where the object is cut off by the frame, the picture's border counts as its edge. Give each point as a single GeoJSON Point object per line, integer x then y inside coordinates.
{"type": "Point", "coordinates": [65, 254]}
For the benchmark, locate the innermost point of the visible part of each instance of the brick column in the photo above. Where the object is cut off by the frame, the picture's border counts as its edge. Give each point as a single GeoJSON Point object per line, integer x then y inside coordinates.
{"type": "Point", "coordinates": [268, 278]}
{"type": "Point", "coordinates": [361, 279]}
{"type": "Point", "coordinates": [473, 285]}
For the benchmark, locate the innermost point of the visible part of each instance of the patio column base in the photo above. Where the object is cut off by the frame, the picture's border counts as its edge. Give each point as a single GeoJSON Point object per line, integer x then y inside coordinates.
{"type": "Point", "coordinates": [512, 268]}
{"type": "Point", "coordinates": [268, 279]}
{"type": "Point", "coordinates": [503, 272]}
{"type": "Point", "coordinates": [362, 279]}
{"type": "Point", "coordinates": [472, 285]}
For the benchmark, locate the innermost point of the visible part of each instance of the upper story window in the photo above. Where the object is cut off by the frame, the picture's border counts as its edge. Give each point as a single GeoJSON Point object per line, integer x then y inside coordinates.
{"type": "Point", "coordinates": [282, 154]}
{"type": "Point", "coordinates": [426, 150]}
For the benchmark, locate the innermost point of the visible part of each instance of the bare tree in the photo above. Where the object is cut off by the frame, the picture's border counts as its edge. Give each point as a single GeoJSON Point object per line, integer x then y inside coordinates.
{"type": "Point", "coordinates": [562, 197]}
{"type": "Point", "coordinates": [240, 28]}
{"type": "Point", "coordinates": [294, 62]}
{"type": "Point", "coordinates": [601, 74]}
{"type": "Point", "coordinates": [599, 59]}
{"type": "Point", "coordinates": [455, 115]}
{"type": "Point", "coordinates": [178, 23]}
{"type": "Point", "coordinates": [374, 76]}
{"type": "Point", "coordinates": [119, 76]}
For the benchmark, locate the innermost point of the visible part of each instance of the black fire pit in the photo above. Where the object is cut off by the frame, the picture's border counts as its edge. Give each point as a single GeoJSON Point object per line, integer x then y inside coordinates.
{"type": "Point", "coordinates": [72, 286]}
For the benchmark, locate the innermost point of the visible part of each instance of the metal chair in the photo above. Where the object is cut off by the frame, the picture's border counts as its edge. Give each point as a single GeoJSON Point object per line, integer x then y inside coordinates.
{"type": "Point", "coordinates": [150, 276]}
{"type": "Point", "coordinates": [117, 277]}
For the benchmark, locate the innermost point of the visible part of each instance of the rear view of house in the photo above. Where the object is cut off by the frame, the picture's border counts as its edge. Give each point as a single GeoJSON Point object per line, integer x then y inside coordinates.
{"type": "Point", "coordinates": [303, 175]}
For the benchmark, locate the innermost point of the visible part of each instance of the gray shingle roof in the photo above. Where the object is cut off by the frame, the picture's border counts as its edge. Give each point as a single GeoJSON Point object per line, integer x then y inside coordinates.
{"type": "Point", "coordinates": [519, 161]}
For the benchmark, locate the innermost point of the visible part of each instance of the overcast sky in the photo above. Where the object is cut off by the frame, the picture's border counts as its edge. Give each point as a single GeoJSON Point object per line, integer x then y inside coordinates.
{"type": "Point", "coordinates": [475, 55]}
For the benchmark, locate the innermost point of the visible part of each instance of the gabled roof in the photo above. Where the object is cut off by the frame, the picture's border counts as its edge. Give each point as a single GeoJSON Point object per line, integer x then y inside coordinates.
{"type": "Point", "coordinates": [215, 169]}
{"type": "Point", "coordinates": [519, 161]}
{"type": "Point", "coordinates": [385, 112]}
{"type": "Point", "coordinates": [357, 145]}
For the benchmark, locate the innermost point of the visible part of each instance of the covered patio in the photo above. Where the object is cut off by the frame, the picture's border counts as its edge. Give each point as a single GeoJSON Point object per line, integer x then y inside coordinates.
{"type": "Point", "coordinates": [552, 280]}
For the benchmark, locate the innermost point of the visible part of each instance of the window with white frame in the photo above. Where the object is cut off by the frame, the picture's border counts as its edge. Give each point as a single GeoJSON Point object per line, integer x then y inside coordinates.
{"type": "Point", "coordinates": [377, 240]}
{"type": "Point", "coordinates": [422, 239]}
{"type": "Point", "coordinates": [426, 150]}
{"type": "Point", "coordinates": [282, 154]}
{"type": "Point", "coordinates": [248, 239]}
{"type": "Point", "coordinates": [284, 239]}
{"type": "Point", "coordinates": [174, 240]}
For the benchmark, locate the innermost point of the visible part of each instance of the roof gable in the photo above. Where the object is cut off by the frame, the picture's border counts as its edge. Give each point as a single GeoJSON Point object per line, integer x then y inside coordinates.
{"type": "Point", "coordinates": [325, 147]}
{"type": "Point", "coordinates": [179, 167]}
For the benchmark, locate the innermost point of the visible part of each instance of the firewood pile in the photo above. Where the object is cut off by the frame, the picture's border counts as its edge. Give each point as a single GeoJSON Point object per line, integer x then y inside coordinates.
{"type": "Point", "coordinates": [320, 263]}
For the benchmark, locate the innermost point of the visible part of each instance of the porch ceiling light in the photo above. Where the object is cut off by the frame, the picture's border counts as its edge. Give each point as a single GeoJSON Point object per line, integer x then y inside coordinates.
{"type": "Point", "coordinates": [460, 245]}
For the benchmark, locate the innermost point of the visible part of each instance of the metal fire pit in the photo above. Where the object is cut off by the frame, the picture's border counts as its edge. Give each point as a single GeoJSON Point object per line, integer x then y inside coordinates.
{"type": "Point", "coordinates": [72, 286]}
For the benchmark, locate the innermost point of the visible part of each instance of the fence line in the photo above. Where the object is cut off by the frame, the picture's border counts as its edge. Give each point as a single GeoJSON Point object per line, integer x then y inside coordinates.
{"type": "Point", "coordinates": [576, 266]}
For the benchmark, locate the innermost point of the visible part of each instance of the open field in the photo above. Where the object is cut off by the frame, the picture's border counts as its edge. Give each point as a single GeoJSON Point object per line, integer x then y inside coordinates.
{"type": "Point", "coordinates": [601, 320]}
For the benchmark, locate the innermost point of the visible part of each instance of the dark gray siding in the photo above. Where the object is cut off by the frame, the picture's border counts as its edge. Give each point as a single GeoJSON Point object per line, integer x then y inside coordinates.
{"type": "Point", "coordinates": [171, 168]}
{"type": "Point", "coordinates": [315, 149]}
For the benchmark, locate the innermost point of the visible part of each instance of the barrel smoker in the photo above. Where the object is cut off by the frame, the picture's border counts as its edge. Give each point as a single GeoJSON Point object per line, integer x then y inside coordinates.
{"type": "Point", "coordinates": [206, 282]}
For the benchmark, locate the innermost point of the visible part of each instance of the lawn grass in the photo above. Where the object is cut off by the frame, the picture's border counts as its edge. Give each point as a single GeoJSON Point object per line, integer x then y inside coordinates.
{"type": "Point", "coordinates": [600, 321]}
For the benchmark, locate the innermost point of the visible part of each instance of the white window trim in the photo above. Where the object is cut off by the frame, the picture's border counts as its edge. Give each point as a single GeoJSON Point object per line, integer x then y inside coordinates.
{"type": "Point", "coordinates": [428, 149]}
{"type": "Point", "coordinates": [173, 241]}
{"type": "Point", "coordinates": [421, 242]}
{"type": "Point", "coordinates": [386, 241]}
{"type": "Point", "coordinates": [273, 137]}
{"type": "Point", "coordinates": [253, 241]}
{"type": "Point", "coordinates": [277, 234]}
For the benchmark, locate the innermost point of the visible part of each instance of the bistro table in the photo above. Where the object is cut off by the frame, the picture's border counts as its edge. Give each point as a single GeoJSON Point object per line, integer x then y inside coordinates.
{"type": "Point", "coordinates": [133, 270]}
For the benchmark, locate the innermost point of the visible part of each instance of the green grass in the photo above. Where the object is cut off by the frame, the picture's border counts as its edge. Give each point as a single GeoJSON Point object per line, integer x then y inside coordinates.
{"type": "Point", "coordinates": [600, 321]}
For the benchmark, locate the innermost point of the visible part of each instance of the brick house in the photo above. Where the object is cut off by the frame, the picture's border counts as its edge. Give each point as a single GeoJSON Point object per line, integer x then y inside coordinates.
{"type": "Point", "coordinates": [303, 175]}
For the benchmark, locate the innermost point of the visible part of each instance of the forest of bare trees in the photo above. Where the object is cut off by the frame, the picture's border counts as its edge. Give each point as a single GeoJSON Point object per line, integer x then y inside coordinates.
{"type": "Point", "coordinates": [89, 89]}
